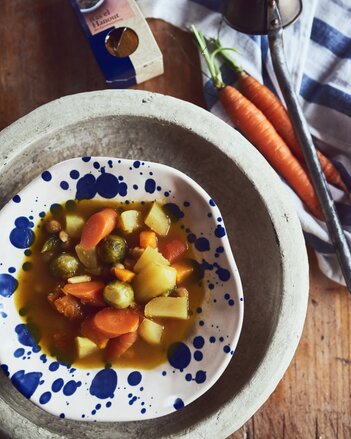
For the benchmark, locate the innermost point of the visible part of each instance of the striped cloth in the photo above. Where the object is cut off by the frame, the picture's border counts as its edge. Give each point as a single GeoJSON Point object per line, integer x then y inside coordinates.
{"type": "Point", "coordinates": [318, 51]}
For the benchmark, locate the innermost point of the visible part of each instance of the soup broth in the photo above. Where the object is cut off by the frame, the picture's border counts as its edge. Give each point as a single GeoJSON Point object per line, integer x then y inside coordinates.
{"type": "Point", "coordinates": [54, 332]}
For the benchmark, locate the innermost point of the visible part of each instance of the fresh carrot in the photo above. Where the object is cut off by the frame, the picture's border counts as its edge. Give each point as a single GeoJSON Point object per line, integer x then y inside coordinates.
{"type": "Point", "coordinates": [116, 347]}
{"type": "Point", "coordinates": [89, 330]}
{"type": "Point", "coordinates": [258, 130]}
{"type": "Point", "coordinates": [98, 227]}
{"type": "Point", "coordinates": [113, 322]}
{"type": "Point", "coordinates": [148, 239]}
{"type": "Point", "coordinates": [123, 274]}
{"type": "Point", "coordinates": [172, 250]}
{"type": "Point", "coordinates": [266, 101]}
{"type": "Point", "coordinates": [89, 293]}
{"type": "Point", "coordinates": [184, 270]}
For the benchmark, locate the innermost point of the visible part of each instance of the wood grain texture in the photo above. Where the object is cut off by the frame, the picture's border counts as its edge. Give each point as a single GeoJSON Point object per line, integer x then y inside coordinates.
{"type": "Point", "coordinates": [44, 55]}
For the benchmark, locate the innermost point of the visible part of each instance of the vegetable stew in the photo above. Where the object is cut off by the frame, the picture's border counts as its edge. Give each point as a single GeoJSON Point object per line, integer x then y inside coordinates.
{"type": "Point", "coordinates": [109, 283]}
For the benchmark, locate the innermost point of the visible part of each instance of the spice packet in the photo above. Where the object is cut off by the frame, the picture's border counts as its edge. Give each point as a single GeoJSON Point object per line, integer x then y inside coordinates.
{"type": "Point", "coordinates": [121, 40]}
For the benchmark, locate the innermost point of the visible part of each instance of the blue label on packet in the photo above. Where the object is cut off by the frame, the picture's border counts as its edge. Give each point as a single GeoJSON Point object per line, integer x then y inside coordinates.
{"type": "Point", "coordinates": [98, 19]}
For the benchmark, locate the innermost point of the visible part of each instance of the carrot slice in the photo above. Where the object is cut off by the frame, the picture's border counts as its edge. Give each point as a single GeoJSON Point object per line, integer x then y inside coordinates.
{"type": "Point", "coordinates": [116, 347]}
{"type": "Point", "coordinates": [98, 227]}
{"type": "Point", "coordinates": [89, 330]}
{"type": "Point", "coordinates": [123, 275]}
{"type": "Point", "coordinates": [148, 239]}
{"type": "Point", "coordinates": [90, 293]}
{"type": "Point", "coordinates": [114, 322]}
{"type": "Point", "coordinates": [173, 250]}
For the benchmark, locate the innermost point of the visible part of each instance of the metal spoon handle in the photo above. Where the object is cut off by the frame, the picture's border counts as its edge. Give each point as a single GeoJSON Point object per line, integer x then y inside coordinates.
{"type": "Point", "coordinates": [275, 37]}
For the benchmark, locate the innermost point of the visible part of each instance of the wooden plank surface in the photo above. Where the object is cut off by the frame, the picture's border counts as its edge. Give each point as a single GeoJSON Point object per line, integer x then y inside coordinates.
{"type": "Point", "coordinates": [44, 55]}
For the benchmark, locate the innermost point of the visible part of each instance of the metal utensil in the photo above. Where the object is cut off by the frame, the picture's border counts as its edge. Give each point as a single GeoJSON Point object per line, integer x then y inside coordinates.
{"type": "Point", "coordinates": [269, 17]}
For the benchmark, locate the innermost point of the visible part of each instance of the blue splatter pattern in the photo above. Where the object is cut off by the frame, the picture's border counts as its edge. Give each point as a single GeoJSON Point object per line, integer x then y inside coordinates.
{"type": "Point", "coordinates": [107, 394]}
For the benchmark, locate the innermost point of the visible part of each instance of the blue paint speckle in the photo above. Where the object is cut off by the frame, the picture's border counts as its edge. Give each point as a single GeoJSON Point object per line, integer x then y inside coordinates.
{"type": "Point", "coordinates": [26, 383]}
{"type": "Point", "coordinates": [179, 355]}
{"type": "Point", "coordinates": [135, 186]}
{"type": "Point", "coordinates": [186, 204]}
{"type": "Point", "coordinates": [178, 404]}
{"type": "Point", "coordinates": [222, 273]}
{"type": "Point", "coordinates": [57, 385]}
{"type": "Point", "coordinates": [150, 185]}
{"type": "Point", "coordinates": [70, 387]}
{"type": "Point", "coordinates": [227, 296]}
{"type": "Point", "coordinates": [43, 358]}
{"type": "Point", "coordinates": [8, 285]}
{"type": "Point", "coordinates": [108, 404]}
{"type": "Point", "coordinates": [211, 286]}
{"type": "Point", "coordinates": [64, 185]}
{"type": "Point", "coordinates": [200, 377]}
{"type": "Point", "coordinates": [5, 369]}
{"type": "Point", "coordinates": [46, 176]}
{"type": "Point", "coordinates": [136, 164]}
{"type": "Point", "coordinates": [134, 378]}
{"type": "Point", "coordinates": [74, 174]}
{"type": "Point", "coordinates": [191, 238]}
{"type": "Point", "coordinates": [25, 338]}
{"type": "Point", "coordinates": [11, 269]}
{"type": "Point", "coordinates": [62, 415]}
{"type": "Point", "coordinates": [86, 159]}
{"type": "Point", "coordinates": [211, 202]}
{"type": "Point", "coordinates": [226, 349]}
{"type": "Point", "coordinates": [231, 302]}
{"type": "Point", "coordinates": [198, 355]}
{"type": "Point", "coordinates": [220, 231]}
{"type": "Point", "coordinates": [18, 352]}
{"type": "Point", "coordinates": [22, 236]}
{"type": "Point", "coordinates": [202, 244]}
{"type": "Point", "coordinates": [107, 185]}
{"type": "Point", "coordinates": [104, 384]}
{"type": "Point", "coordinates": [42, 214]}
{"type": "Point", "coordinates": [198, 342]}
{"type": "Point", "coordinates": [16, 199]}
{"type": "Point", "coordinates": [143, 410]}
{"type": "Point", "coordinates": [96, 165]}
{"type": "Point", "coordinates": [45, 398]}
{"type": "Point", "coordinates": [86, 187]}
{"type": "Point", "coordinates": [188, 377]}
{"type": "Point", "coordinates": [54, 366]}
{"type": "Point", "coordinates": [212, 339]}
{"type": "Point", "coordinates": [174, 210]}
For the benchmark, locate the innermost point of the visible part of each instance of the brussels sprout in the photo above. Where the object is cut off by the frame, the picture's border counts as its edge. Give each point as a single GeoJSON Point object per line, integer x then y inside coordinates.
{"type": "Point", "coordinates": [64, 266]}
{"type": "Point", "coordinates": [112, 249]}
{"type": "Point", "coordinates": [119, 294]}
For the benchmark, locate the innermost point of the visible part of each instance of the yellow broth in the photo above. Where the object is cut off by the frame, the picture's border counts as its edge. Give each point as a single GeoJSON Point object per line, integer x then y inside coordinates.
{"type": "Point", "coordinates": [47, 325]}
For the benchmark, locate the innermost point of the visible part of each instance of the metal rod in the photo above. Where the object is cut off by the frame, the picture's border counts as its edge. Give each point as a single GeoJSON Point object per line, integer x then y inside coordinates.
{"type": "Point", "coordinates": [275, 37]}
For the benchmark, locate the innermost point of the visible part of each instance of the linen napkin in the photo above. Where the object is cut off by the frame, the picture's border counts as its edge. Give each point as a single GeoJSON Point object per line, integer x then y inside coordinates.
{"type": "Point", "coordinates": [318, 52]}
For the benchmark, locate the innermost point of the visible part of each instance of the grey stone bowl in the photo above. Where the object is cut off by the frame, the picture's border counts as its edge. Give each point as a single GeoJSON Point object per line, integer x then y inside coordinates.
{"type": "Point", "coordinates": [262, 225]}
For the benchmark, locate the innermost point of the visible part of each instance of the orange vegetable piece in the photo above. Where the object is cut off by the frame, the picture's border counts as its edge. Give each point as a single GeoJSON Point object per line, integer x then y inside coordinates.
{"type": "Point", "coordinates": [174, 249]}
{"type": "Point", "coordinates": [123, 274]}
{"type": "Point", "coordinates": [113, 322]}
{"type": "Point", "coordinates": [184, 270]}
{"type": "Point", "coordinates": [89, 330]}
{"type": "Point", "coordinates": [116, 347]}
{"type": "Point", "coordinates": [90, 293]}
{"type": "Point", "coordinates": [98, 227]}
{"type": "Point", "coordinates": [148, 239]}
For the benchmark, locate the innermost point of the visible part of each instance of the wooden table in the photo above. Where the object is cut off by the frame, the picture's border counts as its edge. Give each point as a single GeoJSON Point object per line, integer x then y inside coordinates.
{"type": "Point", "coordinates": [44, 55]}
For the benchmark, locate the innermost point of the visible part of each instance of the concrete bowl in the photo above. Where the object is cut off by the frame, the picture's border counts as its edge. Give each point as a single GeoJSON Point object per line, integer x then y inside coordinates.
{"type": "Point", "coordinates": [262, 226]}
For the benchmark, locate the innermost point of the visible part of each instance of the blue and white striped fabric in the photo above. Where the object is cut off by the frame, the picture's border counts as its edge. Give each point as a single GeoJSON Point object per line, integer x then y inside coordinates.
{"type": "Point", "coordinates": [318, 51]}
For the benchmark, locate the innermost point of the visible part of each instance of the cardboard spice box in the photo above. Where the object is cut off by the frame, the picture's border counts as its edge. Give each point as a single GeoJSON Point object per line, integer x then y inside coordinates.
{"type": "Point", "coordinates": [121, 40]}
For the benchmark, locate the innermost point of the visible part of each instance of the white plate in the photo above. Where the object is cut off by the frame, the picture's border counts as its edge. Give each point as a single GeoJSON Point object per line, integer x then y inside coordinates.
{"type": "Point", "coordinates": [124, 394]}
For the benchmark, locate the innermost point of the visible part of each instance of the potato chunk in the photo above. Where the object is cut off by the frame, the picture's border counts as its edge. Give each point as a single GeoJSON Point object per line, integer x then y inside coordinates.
{"type": "Point", "coordinates": [149, 256]}
{"type": "Point", "coordinates": [130, 220]}
{"type": "Point", "coordinates": [157, 220]}
{"type": "Point", "coordinates": [150, 331]}
{"type": "Point", "coordinates": [171, 307]}
{"type": "Point", "coordinates": [153, 281]}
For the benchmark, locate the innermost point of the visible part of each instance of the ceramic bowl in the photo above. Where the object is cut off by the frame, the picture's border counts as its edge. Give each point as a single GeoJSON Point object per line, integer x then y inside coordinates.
{"type": "Point", "coordinates": [110, 394]}
{"type": "Point", "coordinates": [262, 226]}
